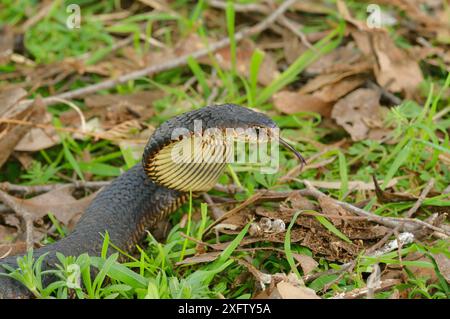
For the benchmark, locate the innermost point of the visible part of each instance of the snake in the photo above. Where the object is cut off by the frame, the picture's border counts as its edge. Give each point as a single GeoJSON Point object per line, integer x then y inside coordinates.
{"type": "Point", "coordinates": [149, 191]}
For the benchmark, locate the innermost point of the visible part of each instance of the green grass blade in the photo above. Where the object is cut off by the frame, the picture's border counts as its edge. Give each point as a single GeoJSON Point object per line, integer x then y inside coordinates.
{"type": "Point", "coordinates": [328, 225]}
{"type": "Point", "coordinates": [287, 246]}
{"type": "Point", "coordinates": [322, 47]}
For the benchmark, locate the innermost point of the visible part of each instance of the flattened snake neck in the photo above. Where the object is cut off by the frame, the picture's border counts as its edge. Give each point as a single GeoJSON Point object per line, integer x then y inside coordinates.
{"type": "Point", "coordinates": [133, 202]}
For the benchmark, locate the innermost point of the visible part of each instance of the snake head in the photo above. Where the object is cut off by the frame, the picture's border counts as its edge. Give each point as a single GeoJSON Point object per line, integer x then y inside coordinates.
{"type": "Point", "coordinates": [190, 151]}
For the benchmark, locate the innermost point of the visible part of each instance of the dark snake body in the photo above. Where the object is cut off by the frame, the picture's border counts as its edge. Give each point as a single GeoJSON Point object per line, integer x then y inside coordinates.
{"type": "Point", "coordinates": [132, 202]}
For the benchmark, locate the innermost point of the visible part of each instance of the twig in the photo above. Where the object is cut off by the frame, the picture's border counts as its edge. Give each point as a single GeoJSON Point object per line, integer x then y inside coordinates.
{"type": "Point", "coordinates": [217, 212]}
{"type": "Point", "coordinates": [385, 93]}
{"type": "Point", "coordinates": [33, 189]}
{"type": "Point", "coordinates": [406, 224]}
{"type": "Point", "coordinates": [104, 135]}
{"type": "Point", "coordinates": [235, 210]}
{"type": "Point", "coordinates": [296, 30]}
{"type": "Point", "coordinates": [421, 198]}
{"type": "Point", "coordinates": [229, 189]}
{"type": "Point", "coordinates": [360, 292]}
{"type": "Point", "coordinates": [252, 7]}
{"type": "Point", "coordinates": [410, 212]}
{"type": "Point", "coordinates": [180, 61]}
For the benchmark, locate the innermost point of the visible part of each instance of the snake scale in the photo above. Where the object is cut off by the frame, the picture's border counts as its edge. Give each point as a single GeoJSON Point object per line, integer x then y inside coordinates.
{"type": "Point", "coordinates": [143, 195]}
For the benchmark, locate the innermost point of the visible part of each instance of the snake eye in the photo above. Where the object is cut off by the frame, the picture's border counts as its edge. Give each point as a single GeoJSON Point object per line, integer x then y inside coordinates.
{"type": "Point", "coordinates": [193, 163]}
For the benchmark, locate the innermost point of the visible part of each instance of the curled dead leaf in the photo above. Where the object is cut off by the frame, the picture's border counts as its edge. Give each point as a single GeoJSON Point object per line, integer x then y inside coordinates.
{"type": "Point", "coordinates": [294, 102]}
{"type": "Point", "coordinates": [59, 202]}
{"type": "Point", "coordinates": [359, 112]}
{"type": "Point", "coordinates": [11, 134]}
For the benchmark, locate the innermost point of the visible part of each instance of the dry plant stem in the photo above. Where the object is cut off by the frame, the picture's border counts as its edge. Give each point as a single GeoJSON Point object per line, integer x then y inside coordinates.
{"type": "Point", "coordinates": [361, 292]}
{"type": "Point", "coordinates": [24, 214]}
{"type": "Point", "coordinates": [41, 14]}
{"type": "Point", "coordinates": [217, 212]}
{"type": "Point", "coordinates": [104, 136]}
{"type": "Point", "coordinates": [229, 189]}
{"type": "Point", "coordinates": [94, 185]}
{"type": "Point", "coordinates": [385, 93]}
{"type": "Point", "coordinates": [182, 60]}
{"type": "Point", "coordinates": [349, 266]}
{"type": "Point", "coordinates": [235, 210]}
{"type": "Point", "coordinates": [422, 197]}
{"type": "Point", "coordinates": [410, 212]}
{"type": "Point", "coordinates": [33, 189]}
{"type": "Point", "coordinates": [252, 7]}
{"type": "Point", "coordinates": [296, 30]}
{"type": "Point", "coordinates": [346, 268]}
{"type": "Point", "coordinates": [406, 224]}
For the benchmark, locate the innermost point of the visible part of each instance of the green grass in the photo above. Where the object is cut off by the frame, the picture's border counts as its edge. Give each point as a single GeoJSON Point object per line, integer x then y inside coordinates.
{"type": "Point", "coordinates": [153, 273]}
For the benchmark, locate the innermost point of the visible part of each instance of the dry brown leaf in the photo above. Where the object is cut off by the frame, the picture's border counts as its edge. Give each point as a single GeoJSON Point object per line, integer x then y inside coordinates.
{"type": "Point", "coordinates": [292, 47]}
{"type": "Point", "coordinates": [338, 60]}
{"type": "Point", "coordinates": [299, 202]}
{"type": "Point", "coordinates": [6, 44]}
{"type": "Point", "coordinates": [142, 98]}
{"type": "Point", "coordinates": [443, 264]}
{"type": "Point", "coordinates": [329, 207]}
{"type": "Point", "coordinates": [307, 263]}
{"type": "Point", "coordinates": [203, 258]}
{"type": "Point", "coordinates": [345, 13]}
{"type": "Point", "coordinates": [267, 71]}
{"type": "Point", "coordinates": [12, 249]}
{"type": "Point", "coordinates": [359, 112]}
{"type": "Point", "coordinates": [39, 138]}
{"type": "Point", "coordinates": [114, 109]}
{"type": "Point", "coordinates": [294, 102]}
{"type": "Point", "coordinates": [312, 6]}
{"type": "Point", "coordinates": [59, 202]}
{"type": "Point", "coordinates": [7, 234]}
{"type": "Point", "coordinates": [284, 286]}
{"type": "Point", "coordinates": [357, 185]}
{"type": "Point", "coordinates": [12, 220]}
{"type": "Point", "coordinates": [326, 79]}
{"type": "Point", "coordinates": [387, 197]}
{"type": "Point", "coordinates": [10, 135]}
{"type": "Point", "coordinates": [287, 290]}
{"type": "Point", "coordinates": [8, 102]}
{"type": "Point", "coordinates": [334, 91]}
{"type": "Point", "coordinates": [395, 70]}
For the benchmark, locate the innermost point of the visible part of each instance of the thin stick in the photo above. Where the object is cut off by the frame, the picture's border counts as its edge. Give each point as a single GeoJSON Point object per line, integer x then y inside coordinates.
{"type": "Point", "coordinates": [252, 7]}
{"type": "Point", "coordinates": [235, 210]}
{"type": "Point", "coordinates": [407, 224]}
{"type": "Point", "coordinates": [360, 292]}
{"type": "Point", "coordinates": [216, 212]}
{"type": "Point", "coordinates": [410, 212]}
{"type": "Point", "coordinates": [182, 60]}
{"type": "Point", "coordinates": [94, 185]}
{"type": "Point", "coordinates": [421, 198]}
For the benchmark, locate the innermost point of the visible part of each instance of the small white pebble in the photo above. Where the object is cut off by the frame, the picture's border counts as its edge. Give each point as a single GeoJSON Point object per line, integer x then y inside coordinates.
{"type": "Point", "coordinates": [278, 226]}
